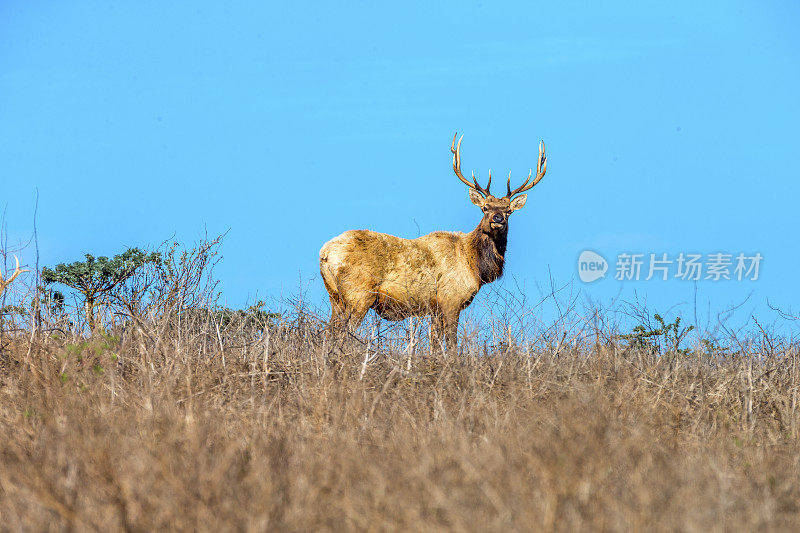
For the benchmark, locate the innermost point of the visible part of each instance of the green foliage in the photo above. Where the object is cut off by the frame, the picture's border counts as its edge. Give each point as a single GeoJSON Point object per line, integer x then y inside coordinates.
{"type": "Point", "coordinates": [96, 277]}
{"type": "Point", "coordinates": [666, 336]}
{"type": "Point", "coordinates": [99, 274]}
{"type": "Point", "coordinates": [53, 300]}
{"type": "Point", "coordinates": [103, 343]}
{"type": "Point", "coordinates": [13, 310]}
{"type": "Point", "coordinates": [711, 348]}
{"type": "Point", "coordinates": [106, 343]}
{"type": "Point", "coordinates": [11, 314]}
{"type": "Point", "coordinates": [75, 350]}
{"type": "Point", "coordinates": [86, 360]}
{"type": "Point", "coordinates": [254, 317]}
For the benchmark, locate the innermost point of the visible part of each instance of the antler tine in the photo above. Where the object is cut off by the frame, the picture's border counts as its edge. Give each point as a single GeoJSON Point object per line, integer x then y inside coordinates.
{"type": "Point", "coordinates": [541, 164]}
{"type": "Point", "coordinates": [457, 159]}
{"type": "Point", "coordinates": [541, 168]}
{"type": "Point", "coordinates": [477, 185]}
{"type": "Point", "coordinates": [456, 149]}
{"type": "Point", "coordinates": [17, 272]}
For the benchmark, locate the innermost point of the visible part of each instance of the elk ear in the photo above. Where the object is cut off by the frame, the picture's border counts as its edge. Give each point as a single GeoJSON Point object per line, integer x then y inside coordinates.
{"type": "Point", "coordinates": [476, 197]}
{"type": "Point", "coordinates": [519, 202]}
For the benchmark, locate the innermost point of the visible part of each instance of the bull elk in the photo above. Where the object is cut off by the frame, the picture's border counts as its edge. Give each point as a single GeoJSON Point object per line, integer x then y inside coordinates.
{"type": "Point", "coordinates": [437, 274]}
{"type": "Point", "coordinates": [7, 282]}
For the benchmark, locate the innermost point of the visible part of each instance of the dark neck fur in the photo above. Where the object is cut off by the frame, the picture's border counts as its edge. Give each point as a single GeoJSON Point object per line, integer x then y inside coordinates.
{"type": "Point", "coordinates": [490, 251]}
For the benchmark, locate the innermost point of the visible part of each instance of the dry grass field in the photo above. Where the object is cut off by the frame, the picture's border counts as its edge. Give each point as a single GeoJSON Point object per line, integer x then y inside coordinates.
{"type": "Point", "coordinates": [289, 434]}
{"type": "Point", "coordinates": [180, 421]}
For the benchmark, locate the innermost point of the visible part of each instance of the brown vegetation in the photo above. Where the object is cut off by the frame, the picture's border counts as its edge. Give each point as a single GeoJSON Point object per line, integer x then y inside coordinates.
{"type": "Point", "coordinates": [274, 428]}
{"type": "Point", "coordinates": [181, 415]}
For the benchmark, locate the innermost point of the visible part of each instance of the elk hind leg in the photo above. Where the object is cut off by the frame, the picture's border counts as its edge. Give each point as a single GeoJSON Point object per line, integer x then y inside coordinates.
{"type": "Point", "coordinates": [356, 309]}
{"type": "Point", "coordinates": [345, 319]}
{"type": "Point", "coordinates": [348, 313]}
{"type": "Point", "coordinates": [348, 307]}
{"type": "Point", "coordinates": [337, 314]}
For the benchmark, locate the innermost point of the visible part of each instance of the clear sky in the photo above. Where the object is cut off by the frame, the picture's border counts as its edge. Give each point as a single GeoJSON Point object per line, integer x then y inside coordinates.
{"type": "Point", "coordinates": [670, 127]}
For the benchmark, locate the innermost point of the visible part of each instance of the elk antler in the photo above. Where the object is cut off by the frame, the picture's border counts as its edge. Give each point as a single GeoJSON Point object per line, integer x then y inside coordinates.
{"type": "Point", "coordinates": [541, 168]}
{"type": "Point", "coordinates": [456, 149]}
{"type": "Point", "coordinates": [6, 283]}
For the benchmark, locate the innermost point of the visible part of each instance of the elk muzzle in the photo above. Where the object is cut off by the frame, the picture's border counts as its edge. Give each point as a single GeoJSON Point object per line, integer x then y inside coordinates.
{"type": "Point", "coordinates": [498, 221]}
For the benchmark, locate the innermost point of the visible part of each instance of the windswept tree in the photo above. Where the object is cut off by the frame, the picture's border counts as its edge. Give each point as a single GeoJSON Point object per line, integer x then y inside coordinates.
{"type": "Point", "coordinates": [96, 277]}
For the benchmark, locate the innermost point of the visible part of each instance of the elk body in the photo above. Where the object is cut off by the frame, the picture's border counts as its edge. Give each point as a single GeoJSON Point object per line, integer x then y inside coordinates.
{"type": "Point", "coordinates": [5, 283]}
{"type": "Point", "coordinates": [438, 274]}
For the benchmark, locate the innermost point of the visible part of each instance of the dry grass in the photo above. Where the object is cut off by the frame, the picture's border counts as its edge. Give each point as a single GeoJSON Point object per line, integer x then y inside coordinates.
{"type": "Point", "coordinates": [287, 431]}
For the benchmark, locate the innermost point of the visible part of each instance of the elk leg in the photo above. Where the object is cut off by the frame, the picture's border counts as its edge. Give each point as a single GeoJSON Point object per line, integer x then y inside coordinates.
{"type": "Point", "coordinates": [338, 308]}
{"type": "Point", "coordinates": [345, 318]}
{"type": "Point", "coordinates": [356, 309]}
{"type": "Point", "coordinates": [451, 330]}
{"type": "Point", "coordinates": [437, 330]}
{"type": "Point", "coordinates": [337, 314]}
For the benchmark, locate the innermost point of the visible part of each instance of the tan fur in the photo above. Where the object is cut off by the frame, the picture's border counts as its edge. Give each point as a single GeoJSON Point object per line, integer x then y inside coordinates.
{"type": "Point", "coordinates": [397, 277]}
{"type": "Point", "coordinates": [437, 274]}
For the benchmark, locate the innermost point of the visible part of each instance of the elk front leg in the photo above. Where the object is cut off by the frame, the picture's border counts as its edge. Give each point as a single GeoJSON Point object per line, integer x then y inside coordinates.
{"type": "Point", "coordinates": [437, 332]}
{"type": "Point", "coordinates": [451, 330]}
{"type": "Point", "coordinates": [444, 326]}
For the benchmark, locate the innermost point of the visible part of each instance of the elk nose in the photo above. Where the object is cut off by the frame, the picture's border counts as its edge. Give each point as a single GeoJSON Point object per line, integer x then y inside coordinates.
{"type": "Point", "coordinates": [498, 218]}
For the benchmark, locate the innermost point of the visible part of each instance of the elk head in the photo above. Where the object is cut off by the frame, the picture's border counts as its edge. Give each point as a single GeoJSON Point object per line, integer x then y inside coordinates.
{"type": "Point", "coordinates": [497, 210]}
{"type": "Point", "coordinates": [7, 282]}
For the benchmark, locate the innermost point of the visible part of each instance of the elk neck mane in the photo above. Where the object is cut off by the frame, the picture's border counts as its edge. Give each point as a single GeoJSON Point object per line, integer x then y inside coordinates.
{"type": "Point", "coordinates": [489, 254]}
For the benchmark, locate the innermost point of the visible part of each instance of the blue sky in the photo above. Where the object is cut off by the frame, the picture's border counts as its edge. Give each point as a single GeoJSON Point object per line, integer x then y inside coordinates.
{"type": "Point", "coordinates": [670, 127]}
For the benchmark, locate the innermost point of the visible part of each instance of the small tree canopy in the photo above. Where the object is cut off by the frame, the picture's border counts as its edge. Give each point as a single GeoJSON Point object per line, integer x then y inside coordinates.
{"type": "Point", "coordinates": [98, 275]}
